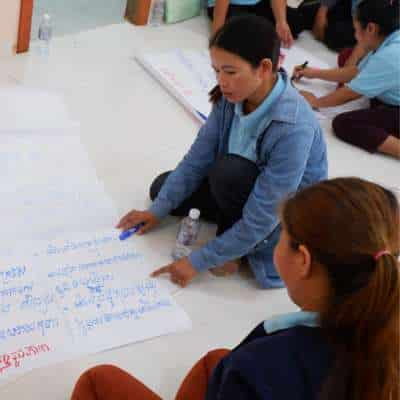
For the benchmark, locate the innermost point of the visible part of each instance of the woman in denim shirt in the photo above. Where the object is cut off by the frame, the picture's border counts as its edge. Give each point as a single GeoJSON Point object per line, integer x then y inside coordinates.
{"type": "Point", "coordinates": [260, 143]}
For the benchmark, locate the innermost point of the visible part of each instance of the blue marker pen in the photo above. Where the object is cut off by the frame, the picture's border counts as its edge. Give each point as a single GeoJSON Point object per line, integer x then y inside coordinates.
{"type": "Point", "coordinates": [201, 115]}
{"type": "Point", "coordinates": [129, 232]}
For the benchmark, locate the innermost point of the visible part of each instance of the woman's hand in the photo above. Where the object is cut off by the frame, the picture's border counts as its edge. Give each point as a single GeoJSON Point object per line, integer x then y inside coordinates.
{"type": "Point", "coordinates": [136, 217]}
{"type": "Point", "coordinates": [285, 34]}
{"type": "Point", "coordinates": [311, 99]}
{"type": "Point", "coordinates": [300, 72]}
{"type": "Point", "coordinates": [320, 23]}
{"type": "Point", "coordinates": [180, 272]}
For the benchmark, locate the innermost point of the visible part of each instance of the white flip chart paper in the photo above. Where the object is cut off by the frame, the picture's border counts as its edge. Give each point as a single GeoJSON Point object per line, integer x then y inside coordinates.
{"type": "Point", "coordinates": [77, 295]}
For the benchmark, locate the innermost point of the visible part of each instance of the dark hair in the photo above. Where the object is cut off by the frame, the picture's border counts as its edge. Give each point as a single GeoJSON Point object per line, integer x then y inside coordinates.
{"type": "Point", "coordinates": [250, 37]}
{"type": "Point", "coordinates": [344, 223]}
{"type": "Point", "coordinates": [384, 13]}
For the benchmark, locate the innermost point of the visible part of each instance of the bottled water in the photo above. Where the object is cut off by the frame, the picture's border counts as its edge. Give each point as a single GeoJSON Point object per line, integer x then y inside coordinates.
{"type": "Point", "coordinates": [187, 235]}
{"type": "Point", "coordinates": [157, 12]}
{"type": "Point", "coordinates": [203, 7]}
{"type": "Point", "coordinates": [45, 34]}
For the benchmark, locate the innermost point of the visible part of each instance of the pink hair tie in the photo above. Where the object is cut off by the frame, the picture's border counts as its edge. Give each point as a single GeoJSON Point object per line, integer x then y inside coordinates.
{"type": "Point", "coordinates": [381, 253]}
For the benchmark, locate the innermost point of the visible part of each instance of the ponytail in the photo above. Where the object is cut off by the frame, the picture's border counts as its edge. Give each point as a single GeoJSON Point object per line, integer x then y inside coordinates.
{"type": "Point", "coordinates": [364, 328]}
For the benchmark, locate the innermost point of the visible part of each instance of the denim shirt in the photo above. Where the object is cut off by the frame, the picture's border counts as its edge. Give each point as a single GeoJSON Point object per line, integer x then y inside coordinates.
{"type": "Point", "coordinates": [291, 154]}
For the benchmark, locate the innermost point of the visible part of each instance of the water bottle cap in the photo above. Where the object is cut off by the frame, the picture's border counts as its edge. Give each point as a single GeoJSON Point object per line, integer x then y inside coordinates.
{"type": "Point", "coordinates": [46, 17]}
{"type": "Point", "coordinates": [194, 213]}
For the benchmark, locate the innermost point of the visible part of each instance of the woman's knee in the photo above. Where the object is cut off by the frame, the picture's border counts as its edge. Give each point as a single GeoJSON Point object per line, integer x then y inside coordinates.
{"type": "Point", "coordinates": [232, 171]}
{"type": "Point", "coordinates": [158, 184]}
{"type": "Point", "coordinates": [213, 357]}
{"type": "Point", "coordinates": [86, 386]}
{"type": "Point", "coordinates": [340, 125]}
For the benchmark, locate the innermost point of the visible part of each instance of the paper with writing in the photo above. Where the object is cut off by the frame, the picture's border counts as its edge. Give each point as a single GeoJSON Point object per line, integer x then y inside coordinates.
{"type": "Point", "coordinates": [188, 75]}
{"type": "Point", "coordinates": [79, 295]}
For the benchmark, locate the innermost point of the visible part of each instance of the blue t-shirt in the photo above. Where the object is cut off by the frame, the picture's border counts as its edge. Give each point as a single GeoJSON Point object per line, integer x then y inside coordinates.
{"type": "Point", "coordinates": [379, 72]}
{"type": "Point", "coordinates": [246, 129]}
{"type": "Point", "coordinates": [211, 3]}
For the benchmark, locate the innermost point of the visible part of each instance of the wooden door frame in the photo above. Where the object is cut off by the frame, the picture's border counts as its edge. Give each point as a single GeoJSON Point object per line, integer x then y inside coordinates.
{"type": "Point", "coordinates": [25, 24]}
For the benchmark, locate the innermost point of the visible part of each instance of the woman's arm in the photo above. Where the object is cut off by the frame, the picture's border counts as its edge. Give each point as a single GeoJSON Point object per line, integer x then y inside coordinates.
{"type": "Point", "coordinates": [192, 169]}
{"type": "Point", "coordinates": [340, 75]}
{"type": "Point", "coordinates": [220, 13]}
{"type": "Point", "coordinates": [357, 54]}
{"type": "Point", "coordinates": [282, 27]}
{"type": "Point", "coordinates": [286, 166]}
{"type": "Point", "coordinates": [320, 22]}
{"type": "Point", "coordinates": [336, 98]}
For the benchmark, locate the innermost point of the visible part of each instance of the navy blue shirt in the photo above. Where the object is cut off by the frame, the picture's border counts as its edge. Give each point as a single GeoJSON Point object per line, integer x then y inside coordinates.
{"type": "Point", "coordinates": [289, 364]}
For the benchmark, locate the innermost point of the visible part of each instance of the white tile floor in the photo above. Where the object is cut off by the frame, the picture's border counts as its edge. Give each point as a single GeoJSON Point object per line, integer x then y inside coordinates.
{"type": "Point", "coordinates": [133, 130]}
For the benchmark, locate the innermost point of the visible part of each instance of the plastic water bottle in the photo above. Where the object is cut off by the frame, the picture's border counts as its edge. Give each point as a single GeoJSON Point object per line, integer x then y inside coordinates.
{"type": "Point", "coordinates": [45, 34]}
{"type": "Point", "coordinates": [157, 12]}
{"type": "Point", "coordinates": [187, 235]}
{"type": "Point", "coordinates": [203, 7]}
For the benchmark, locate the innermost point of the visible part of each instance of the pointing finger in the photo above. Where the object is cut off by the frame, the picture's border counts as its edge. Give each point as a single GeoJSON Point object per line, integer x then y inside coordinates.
{"type": "Point", "coordinates": [163, 270]}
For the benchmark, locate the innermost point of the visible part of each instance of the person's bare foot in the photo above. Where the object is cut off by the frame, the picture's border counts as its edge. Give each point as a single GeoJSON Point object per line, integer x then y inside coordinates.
{"type": "Point", "coordinates": [229, 268]}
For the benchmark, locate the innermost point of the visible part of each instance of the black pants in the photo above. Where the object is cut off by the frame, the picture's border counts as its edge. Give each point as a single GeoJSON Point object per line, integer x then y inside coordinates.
{"type": "Point", "coordinates": [339, 33]}
{"type": "Point", "coordinates": [222, 194]}
{"type": "Point", "coordinates": [298, 19]}
{"type": "Point", "coordinates": [368, 128]}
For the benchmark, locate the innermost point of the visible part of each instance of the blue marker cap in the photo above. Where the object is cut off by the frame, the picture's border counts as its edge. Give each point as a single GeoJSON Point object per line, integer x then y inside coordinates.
{"type": "Point", "coordinates": [129, 232]}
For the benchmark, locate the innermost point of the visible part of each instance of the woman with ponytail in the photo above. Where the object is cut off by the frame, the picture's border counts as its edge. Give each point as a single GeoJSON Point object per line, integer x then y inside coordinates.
{"type": "Point", "coordinates": [337, 255]}
{"type": "Point", "coordinates": [350, 238]}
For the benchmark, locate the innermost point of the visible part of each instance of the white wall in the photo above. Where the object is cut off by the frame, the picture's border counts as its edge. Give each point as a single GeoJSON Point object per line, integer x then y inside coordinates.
{"type": "Point", "coordinates": [9, 20]}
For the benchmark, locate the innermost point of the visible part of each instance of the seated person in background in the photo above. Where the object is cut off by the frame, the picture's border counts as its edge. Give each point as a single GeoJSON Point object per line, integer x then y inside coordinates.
{"type": "Point", "coordinates": [377, 77]}
{"type": "Point", "coordinates": [261, 142]}
{"type": "Point", "coordinates": [333, 23]}
{"type": "Point", "coordinates": [330, 20]}
{"type": "Point", "coordinates": [289, 22]}
{"type": "Point", "coordinates": [338, 258]}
